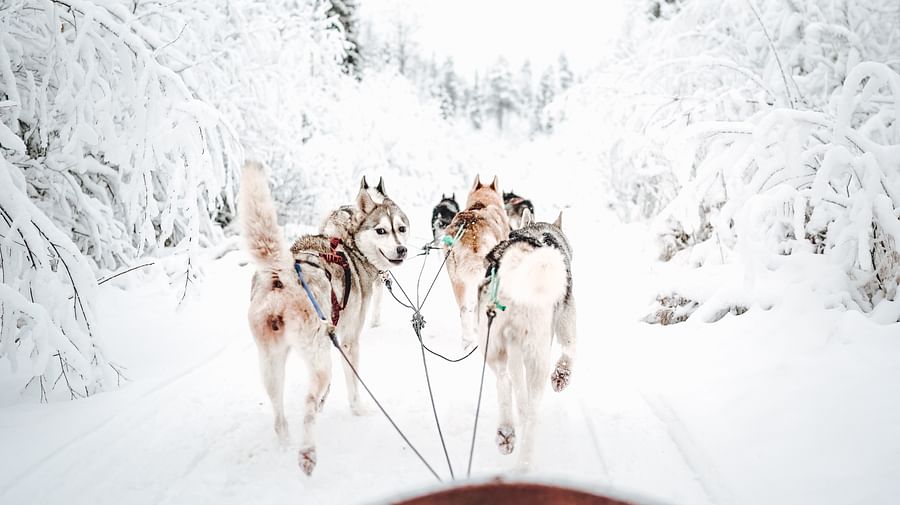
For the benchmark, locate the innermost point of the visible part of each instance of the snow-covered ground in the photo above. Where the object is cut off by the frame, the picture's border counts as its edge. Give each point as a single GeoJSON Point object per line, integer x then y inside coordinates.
{"type": "Point", "coordinates": [796, 404]}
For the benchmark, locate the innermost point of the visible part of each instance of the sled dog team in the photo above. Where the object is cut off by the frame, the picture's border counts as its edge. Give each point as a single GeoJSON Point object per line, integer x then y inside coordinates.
{"type": "Point", "coordinates": [494, 236]}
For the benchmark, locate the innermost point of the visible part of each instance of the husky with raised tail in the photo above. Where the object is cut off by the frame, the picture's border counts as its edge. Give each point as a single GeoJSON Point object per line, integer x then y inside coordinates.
{"type": "Point", "coordinates": [484, 225]}
{"type": "Point", "coordinates": [339, 271]}
{"type": "Point", "coordinates": [533, 276]}
{"type": "Point", "coordinates": [442, 215]}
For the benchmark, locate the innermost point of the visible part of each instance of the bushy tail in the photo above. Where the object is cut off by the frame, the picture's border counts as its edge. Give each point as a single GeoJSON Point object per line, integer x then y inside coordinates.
{"type": "Point", "coordinates": [532, 277]}
{"type": "Point", "coordinates": [258, 219]}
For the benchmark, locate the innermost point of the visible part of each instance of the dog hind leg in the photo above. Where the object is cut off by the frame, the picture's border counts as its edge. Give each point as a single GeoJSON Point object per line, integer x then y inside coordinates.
{"type": "Point", "coordinates": [272, 357]}
{"type": "Point", "coordinates": [536, 360]}
{"type": "Point", "coordinates": [565, 335]}
{"type": "Point", "coordinates": [498, 359]}
{"type": "Point", "coordinates": [318, 362]}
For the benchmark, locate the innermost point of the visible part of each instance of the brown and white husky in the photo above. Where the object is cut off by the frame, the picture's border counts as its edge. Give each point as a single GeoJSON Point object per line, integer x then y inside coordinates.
{"type": "Point", "coordinates": [484, 224]}
{"type": "Point", "coordinates": [340, 272]}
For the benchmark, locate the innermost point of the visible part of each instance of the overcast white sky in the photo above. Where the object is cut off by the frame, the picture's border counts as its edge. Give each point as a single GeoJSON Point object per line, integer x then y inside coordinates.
{"type": "Point", "coordinates": [476, 32]}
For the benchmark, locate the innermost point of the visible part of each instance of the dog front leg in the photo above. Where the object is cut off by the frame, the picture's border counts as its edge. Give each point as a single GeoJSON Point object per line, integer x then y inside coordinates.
{"type": "Point", "coordinates": [375, 306]}
{"type": "Point", "coordinates": [351, 350]}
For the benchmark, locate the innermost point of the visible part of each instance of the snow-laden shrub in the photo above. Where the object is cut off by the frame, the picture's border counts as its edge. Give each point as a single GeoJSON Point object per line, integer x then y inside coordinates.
{"type": "Point", "coordinates": [760, 134]}
{"type": "Point", "coordinates": [46, 288]}
{"type": "Point", "coordinates": [791, 183]}
{"type": "Point", "coordinates": [711, 61]}
{"type": "Point", "coordinates": [122, 128]}
{"type": "Point", "coordinates": [107, 156]}
{"type": "Point", "coordinates": [118, 151]}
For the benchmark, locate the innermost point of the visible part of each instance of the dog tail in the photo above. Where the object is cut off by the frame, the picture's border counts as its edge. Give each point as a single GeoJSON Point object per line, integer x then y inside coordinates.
{"type": "Point", "coordinates": [258, 219]}
{"type": "Point", "coordinates": [532, 277]}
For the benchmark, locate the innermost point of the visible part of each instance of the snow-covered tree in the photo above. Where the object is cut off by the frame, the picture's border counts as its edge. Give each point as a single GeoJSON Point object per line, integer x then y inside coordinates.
{"type": "Point", "coordinates": [449, 90]}
{"type": "Point", "coordinates": [346, 12]}
{"type": "Point", "coordinates": [564, 73]}
{"type": "Point", "coordinates": [502, 99]}
{"type": "Point", "coordinates": [121, 132]}
{"type": "Point", "coordinates": [546, 93]}
{"type": "Point", "coordinates": [758, 133]}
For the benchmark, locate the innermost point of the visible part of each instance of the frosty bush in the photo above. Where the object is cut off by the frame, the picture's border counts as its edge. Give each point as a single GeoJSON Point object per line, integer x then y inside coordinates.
{"type": "Point", "coordinates": [122, 128]}
{"type": "Point", "coordinates": [760, 133]}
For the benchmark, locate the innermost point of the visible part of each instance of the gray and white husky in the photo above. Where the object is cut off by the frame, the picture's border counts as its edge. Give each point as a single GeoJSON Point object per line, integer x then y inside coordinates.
{"type": "Point", "coordinates": [534, 281]}
{"type": "Point", "coordinates": [339, 270]}
{"type": "Point", "coordinates": [340, 220]}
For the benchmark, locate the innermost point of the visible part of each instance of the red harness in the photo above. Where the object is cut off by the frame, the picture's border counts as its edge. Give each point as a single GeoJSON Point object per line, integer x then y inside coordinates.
{"type": "Point", "coordinates": [338, 258]}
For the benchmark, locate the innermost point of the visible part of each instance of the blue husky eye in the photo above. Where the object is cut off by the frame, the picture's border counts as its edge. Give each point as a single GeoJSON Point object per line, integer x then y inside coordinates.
{"type": "Point", "coordinates": [380, 231]}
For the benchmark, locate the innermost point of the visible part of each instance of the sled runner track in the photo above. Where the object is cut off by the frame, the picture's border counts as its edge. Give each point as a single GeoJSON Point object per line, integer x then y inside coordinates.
{"type": "Point", "coordinates": [18, 479]}
{"type": "Point", "coordinates": [702, 469]}
{"type": "Point", "coordinates": [595, 441]}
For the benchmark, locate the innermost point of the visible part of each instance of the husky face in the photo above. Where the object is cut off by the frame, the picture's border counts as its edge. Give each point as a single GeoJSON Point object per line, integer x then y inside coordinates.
{"type": "Point", "coordinates": [515, 208]}
{"type": "Point", "coordinates": [442, 214]}
{"type": "Point", "coordinates": [383, 229]}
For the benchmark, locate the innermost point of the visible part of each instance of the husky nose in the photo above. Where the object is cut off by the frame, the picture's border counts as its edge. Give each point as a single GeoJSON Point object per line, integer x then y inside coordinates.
{"type": "Point", "coordinates": [401, 251]}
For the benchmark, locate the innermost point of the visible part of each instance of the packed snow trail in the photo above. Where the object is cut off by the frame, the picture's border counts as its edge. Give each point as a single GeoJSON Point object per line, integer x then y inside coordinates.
{"type": "Point", "coordinates": [195, 426]}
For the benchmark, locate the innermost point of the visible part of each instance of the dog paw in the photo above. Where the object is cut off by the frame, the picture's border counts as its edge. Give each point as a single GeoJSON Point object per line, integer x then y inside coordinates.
{"type": "Point", "coordinates": [281, 431]}
{"type": "Point", "coordinates": [307, 460]}
{"type": "Point", "coordinates": [361, 410]}
{"type": "Point", "coordinates": [559, 379]}
{"type": "Point", "coordinates": [375, 323]}
{"type": "Point", "coordinates": [506, 439]}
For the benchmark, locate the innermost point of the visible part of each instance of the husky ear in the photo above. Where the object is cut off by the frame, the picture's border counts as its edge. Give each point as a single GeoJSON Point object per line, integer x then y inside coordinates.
{"type": "Point", "coordinates": [453, 196]}
{"type": "Point", "coordinates": [495, 184]}
{"type": "Point", "coordinates": [477, 183]}
{"type": "Point", "coordinates": [363, 185]}
{"type": "Point", "coordinates": [364, 201]}
{"type": "Point", "coordinates": [380, 187]}
{"type": "Point", "coordinates": [558, 222]}
{"type": "Point", "coordinates": [527, 218]}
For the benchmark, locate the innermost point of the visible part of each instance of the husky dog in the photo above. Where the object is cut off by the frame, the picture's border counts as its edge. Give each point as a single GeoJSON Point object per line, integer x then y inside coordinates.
{"type": "Point", "coordinates": [515, 208]}
{"type": "Point", "coordinates": [484, 224]}
{"type": "Point", "coordinates": [339, 272]}
{"type": "Point", "coordinates": [442, 215]}
{"type": "Point", "coordinates": [340, 220]}
{"type": "Point", "coordinates": [534, 279]}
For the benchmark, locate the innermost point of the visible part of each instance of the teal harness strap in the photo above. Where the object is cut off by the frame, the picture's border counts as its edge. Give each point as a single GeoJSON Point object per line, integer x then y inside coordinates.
{"type": "Point", "coordinates": [449, 241]}
{"type": "Point", "coordinates": [494, 288]}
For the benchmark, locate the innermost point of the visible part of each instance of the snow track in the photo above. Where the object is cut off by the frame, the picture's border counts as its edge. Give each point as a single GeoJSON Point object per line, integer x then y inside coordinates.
{"type": "Point", "coordinates": [194, 426]}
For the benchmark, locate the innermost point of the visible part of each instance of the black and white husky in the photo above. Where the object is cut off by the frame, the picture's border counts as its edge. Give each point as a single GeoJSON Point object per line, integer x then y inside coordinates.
{"type": "Point", "coordinates": [515, 208]}
{"type": "Point", "coordinates": [442, 215]}
{"type": "Point", "coordinates": [533, 270]}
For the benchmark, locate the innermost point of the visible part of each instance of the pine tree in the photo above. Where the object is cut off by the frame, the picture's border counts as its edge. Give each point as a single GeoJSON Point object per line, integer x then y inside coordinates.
{"type": "Point", "coordinates": [475, 108]}
{"type": "Point", "coordinates": [546, 93]}
{"type": "Point", "coordinates": [564, 73]}
{"type": "Point", "coordinates": [345, 10]}
{"type": "Point", "coordinates": [502, 98]}
{"type": "Point", "coordinates": [526, 95]}
{"type": "Point", "coordinates": [449, 89]}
